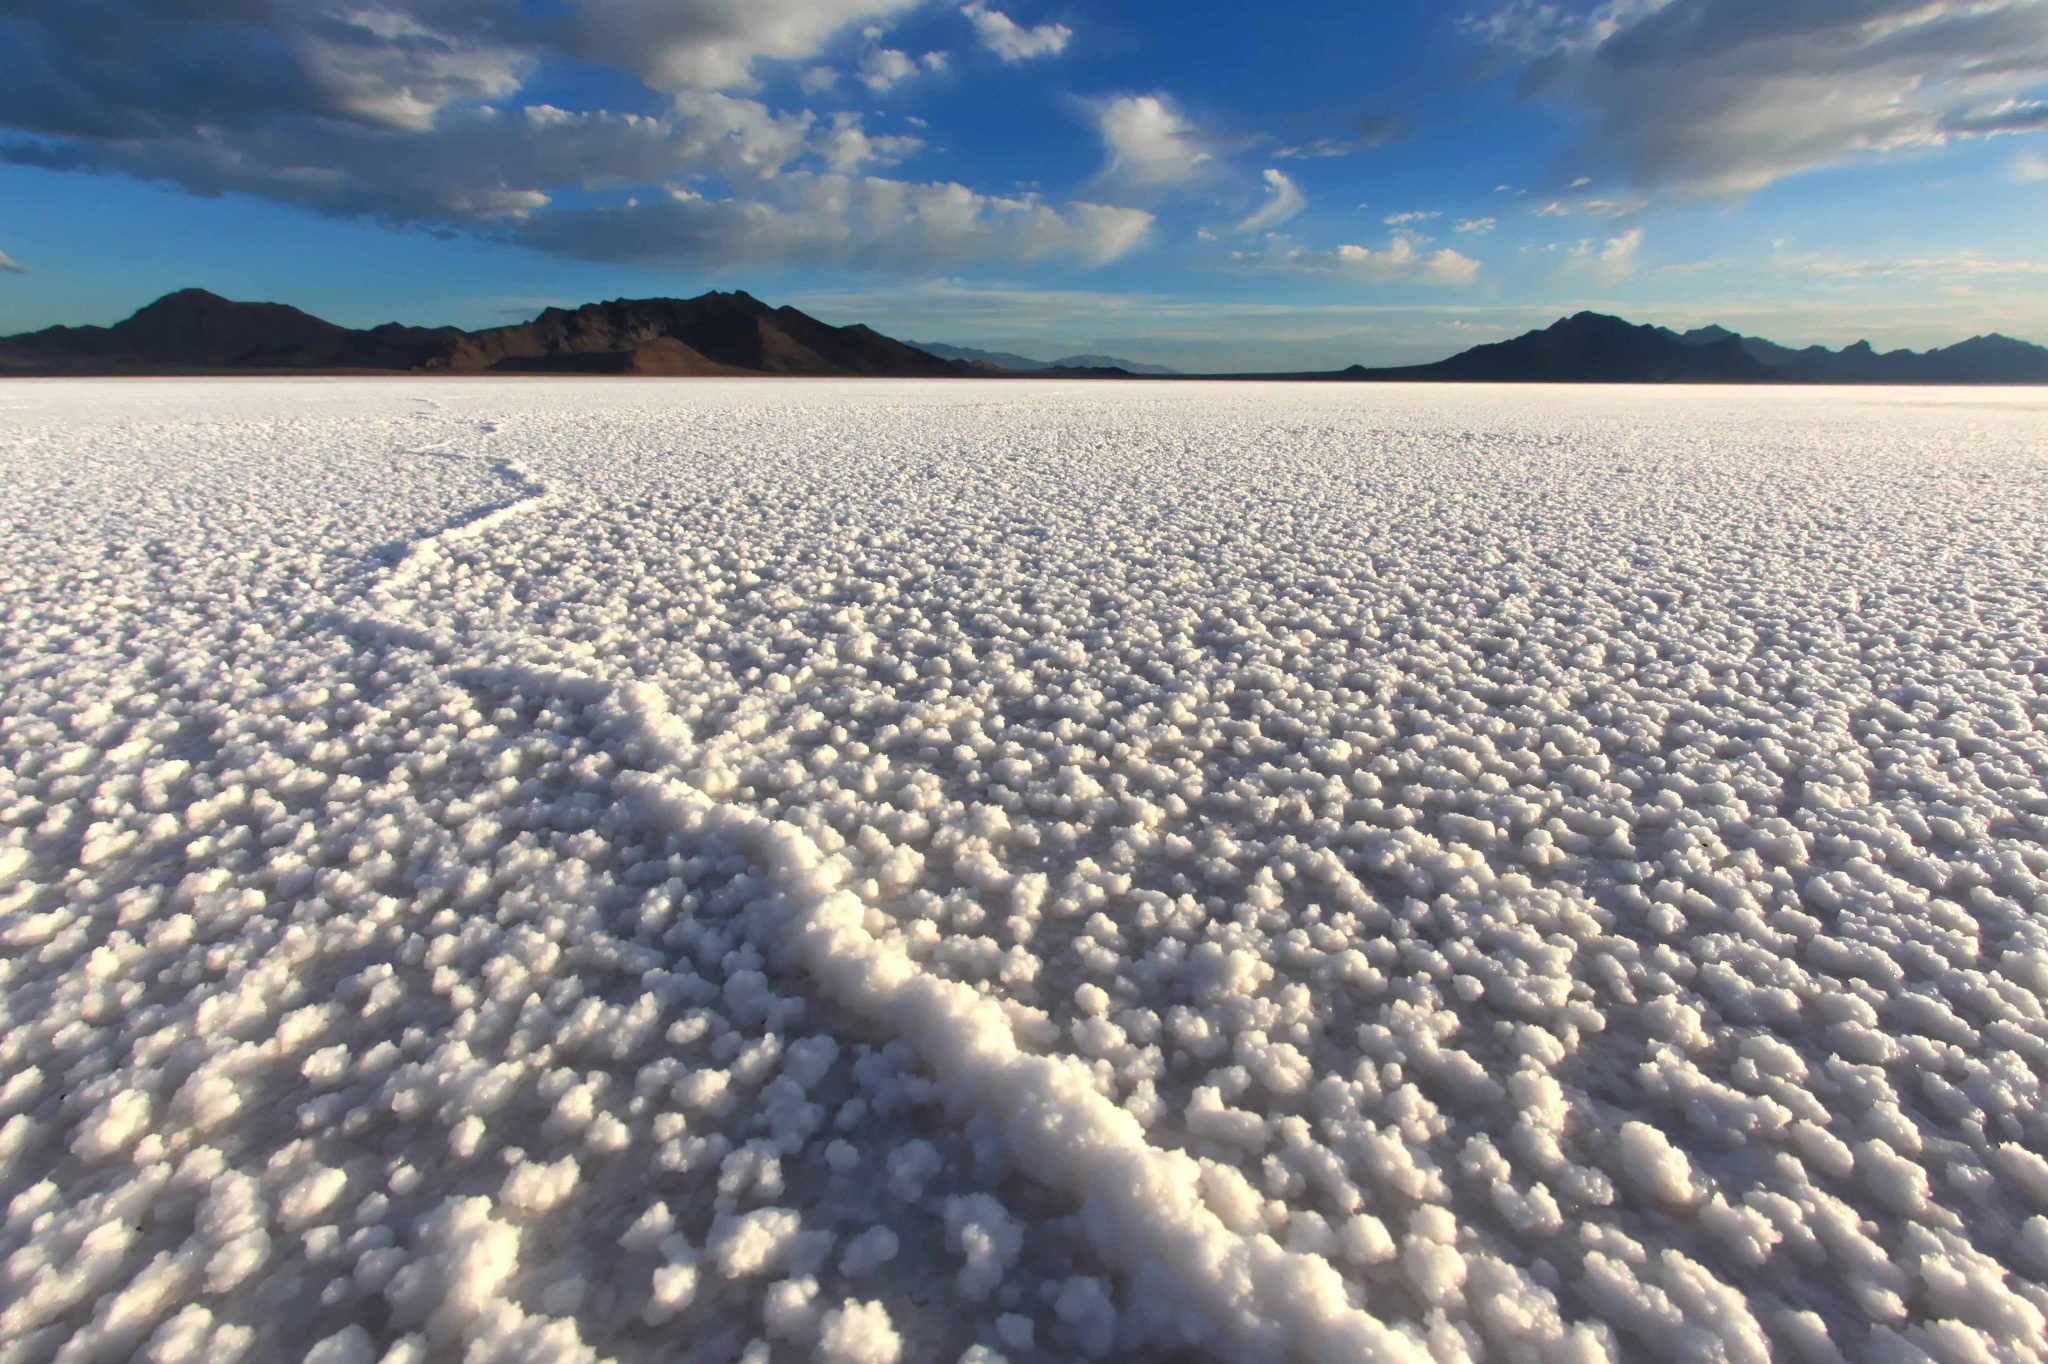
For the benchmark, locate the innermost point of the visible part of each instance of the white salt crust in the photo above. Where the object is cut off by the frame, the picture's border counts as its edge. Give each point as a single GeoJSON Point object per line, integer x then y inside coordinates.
{"type": "Point", "coordinates": [889, 872]}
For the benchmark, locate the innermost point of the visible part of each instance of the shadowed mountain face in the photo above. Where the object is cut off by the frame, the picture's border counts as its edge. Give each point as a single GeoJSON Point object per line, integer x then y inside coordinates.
{"type": "Point", "coordinates": [717, 333]}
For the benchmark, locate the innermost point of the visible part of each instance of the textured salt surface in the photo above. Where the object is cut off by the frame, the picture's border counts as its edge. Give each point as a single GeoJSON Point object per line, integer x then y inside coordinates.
{"type": "Point", "coordinates": [869, 872]}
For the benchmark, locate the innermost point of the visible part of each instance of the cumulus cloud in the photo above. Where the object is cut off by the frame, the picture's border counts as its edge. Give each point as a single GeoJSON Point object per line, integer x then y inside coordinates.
{"type": "Point", "coordinates": [2030, 168]}
{"type": "Point", "coordinates": [410, 111]}
{"type": "Point", "coordinates": [1476, 226]}
{"type": "Point", "coordinates": [714, 44]}
{"type": "Point", "coordinates": [1400, 261]}
{"type": "Point", "coordinates": [1411, 217]}
{"type": "Point", "coordinates": [1727, 96]}
{"type": "Point", "coordinates": [394, 68]}
{"type": "Point", "coordinates": [1010, 40]}
{"type": "Point", "coordinates": [10, 266]}
{"type": "Point", "coordinates": [884, 68]}
{"type": "Point", "coordinates": [847, 146]}
{"type": "Point", "coordinates": [1149, 143]}
{"type": "Point", "coordinates": [839, 219]}
{"type": "Point", "coordinates": [1284, 200]}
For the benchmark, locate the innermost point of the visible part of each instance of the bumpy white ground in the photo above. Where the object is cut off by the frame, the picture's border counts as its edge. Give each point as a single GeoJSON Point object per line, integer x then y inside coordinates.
{"type": "Point", "coordinates": [871, 872]}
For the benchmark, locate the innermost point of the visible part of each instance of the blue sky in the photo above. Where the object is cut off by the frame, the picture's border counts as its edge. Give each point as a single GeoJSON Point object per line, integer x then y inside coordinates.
{"type": "Point", "coordinates": [1202, 184]}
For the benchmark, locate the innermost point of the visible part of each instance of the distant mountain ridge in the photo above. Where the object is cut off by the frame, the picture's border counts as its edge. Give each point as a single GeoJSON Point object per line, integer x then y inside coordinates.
{"type": "Point", "coordinates": [1003, 359]}
{"type": "Point", "coordinates": [734, 333]}
{"type": "Point", "coordinates": [1590, 348]}
{"type": "Point", "coordinates": [1991, 358]}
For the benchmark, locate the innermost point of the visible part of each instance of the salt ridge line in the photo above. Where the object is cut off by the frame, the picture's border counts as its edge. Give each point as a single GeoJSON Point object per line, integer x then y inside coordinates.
{"type": "Point", "coordinates": [1141, 1205]}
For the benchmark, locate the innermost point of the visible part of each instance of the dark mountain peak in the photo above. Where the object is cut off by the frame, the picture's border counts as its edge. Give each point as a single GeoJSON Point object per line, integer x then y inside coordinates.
{"type": "Point", "coordinates": [185, 306]}
{"type": "Point", "coordinates": [1859, 348]}
{"type": "Point", "coordinates": [185, 299]}
{"type": "Point", "coordinates": [1991, 342]}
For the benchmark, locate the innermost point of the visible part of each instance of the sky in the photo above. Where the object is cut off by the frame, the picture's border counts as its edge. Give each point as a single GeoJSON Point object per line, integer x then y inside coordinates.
{"type": "Point", "coordinates": [1202, 184]}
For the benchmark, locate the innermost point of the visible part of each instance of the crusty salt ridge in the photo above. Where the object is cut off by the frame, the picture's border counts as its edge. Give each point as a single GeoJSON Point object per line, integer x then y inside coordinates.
{"type": "Point", "coordinates": [1142, 1207]}
{"type": "Point", "coordinates": [1570, 863]}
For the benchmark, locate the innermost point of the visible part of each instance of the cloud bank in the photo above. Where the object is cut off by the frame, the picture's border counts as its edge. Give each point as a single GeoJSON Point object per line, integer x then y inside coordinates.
{"type": "Point", "coordinates": [1725, 97]}
{"type": "Point", "coordinates": [417, 112]}
{"type": "Point", "coordinates": [1399, 261]}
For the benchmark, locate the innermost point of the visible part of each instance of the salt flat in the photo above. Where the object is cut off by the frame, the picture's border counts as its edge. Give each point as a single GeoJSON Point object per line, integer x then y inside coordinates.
{"type": "Point", "coordinates": [575, 870]}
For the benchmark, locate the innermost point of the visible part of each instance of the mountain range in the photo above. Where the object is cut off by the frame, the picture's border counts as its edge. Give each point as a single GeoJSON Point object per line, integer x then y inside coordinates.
{"type": "Point", "coordinates": [193, 331]}
{"type": "Point", "coordinates": [715, 333]}
{"type": "Point", "coordinates": [1004, 359]}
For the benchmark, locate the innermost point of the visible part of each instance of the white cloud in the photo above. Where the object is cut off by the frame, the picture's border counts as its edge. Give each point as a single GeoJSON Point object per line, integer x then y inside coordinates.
{"type": "Point", "coordinates": [1411, 217]}
{"type": "Point", "coordinates": [1284, 200]}
{"type": "Point", "coordinates": [2030, 168]}
{"type": "Point", "coordinates": [1011, 41]}
{"type": "Point", "coordinates": [1476, 225]}
{"type": "Point", "coordinates": [1149, 144]}
{"type": "Point", "coordinates": [841, 220]}
{"type": "Point", "coordinates": [1401, 260]}
{"type": "Point", "coordinates": [883, 68]}
{"type": "Point", "coordinates": [1610, 261]}
{"type": "Point", "coordinates": [1726, 96]}
{"type": "Point", "coordinates": [10, 266]}
{"type": "Point", "coordinates": [714, 44]}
